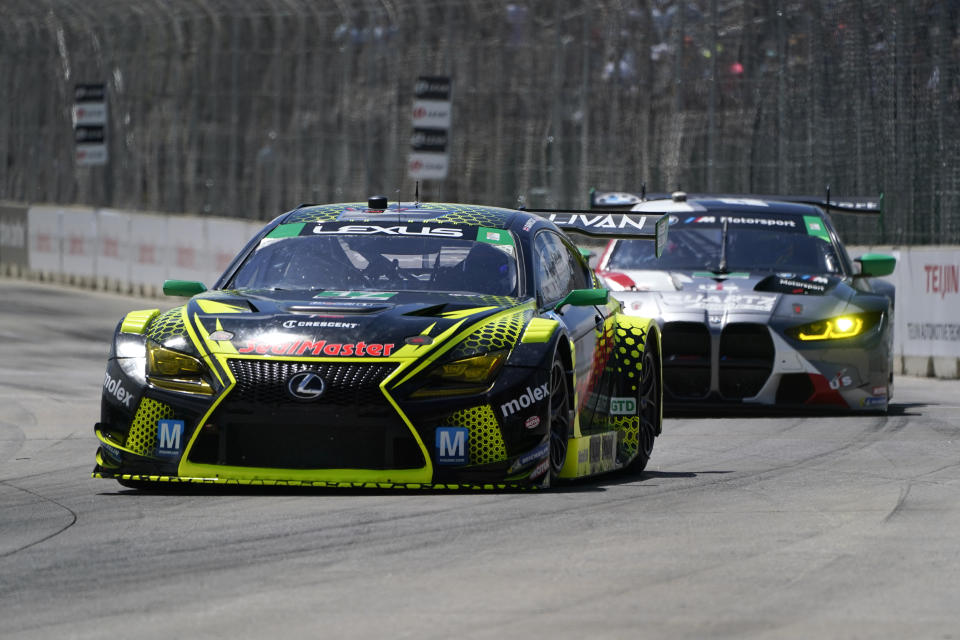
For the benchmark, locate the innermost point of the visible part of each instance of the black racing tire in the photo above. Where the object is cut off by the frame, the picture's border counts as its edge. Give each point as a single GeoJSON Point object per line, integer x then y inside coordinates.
{"type": "Point", "coordinates": [649, 403]}
{"type": "Point", "coordinates": [560, 422]}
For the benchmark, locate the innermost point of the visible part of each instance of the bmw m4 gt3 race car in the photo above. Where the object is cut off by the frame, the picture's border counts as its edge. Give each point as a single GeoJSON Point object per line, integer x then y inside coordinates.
{"type": "Point", "coordinates": [366, 345]}
{"type": "Point", "coordinates": [758, 302]}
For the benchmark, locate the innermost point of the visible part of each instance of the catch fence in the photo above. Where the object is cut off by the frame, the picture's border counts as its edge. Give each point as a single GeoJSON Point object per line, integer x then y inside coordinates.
{"type": "Point", "coordinates": [247, 109]}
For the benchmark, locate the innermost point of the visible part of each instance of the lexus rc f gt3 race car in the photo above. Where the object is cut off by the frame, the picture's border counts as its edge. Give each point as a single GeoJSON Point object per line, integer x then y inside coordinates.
{"type": "Point", "coordinates": [758, 302]}
{"type": "Point", "coordinates": [367, 345]}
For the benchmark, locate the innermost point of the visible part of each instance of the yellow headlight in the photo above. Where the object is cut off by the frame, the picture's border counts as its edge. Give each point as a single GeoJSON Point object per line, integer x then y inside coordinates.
{"type": "Point", "coordinates": [465, 376]}
{"type": "Point", "coordinates": [834, 328]}
{"type": "Point", "coordinates": [175, 371]}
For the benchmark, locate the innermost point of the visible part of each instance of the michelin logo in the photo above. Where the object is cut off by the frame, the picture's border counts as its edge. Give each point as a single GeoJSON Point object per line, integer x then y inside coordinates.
{"type": "Point", "coordinates": [528, 398]}
{"type": "Point", "coordinates": [115, 389]}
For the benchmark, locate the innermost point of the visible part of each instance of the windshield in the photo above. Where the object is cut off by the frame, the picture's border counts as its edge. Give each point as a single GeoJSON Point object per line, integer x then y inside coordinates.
{"type": "Point", "coordinates": [378, 263]}
{"type": "Point", "coordinates": [747, 249]}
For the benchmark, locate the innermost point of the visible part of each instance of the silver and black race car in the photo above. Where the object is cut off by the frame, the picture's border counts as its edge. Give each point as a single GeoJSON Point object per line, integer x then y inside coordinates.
{"type": "Point", "coordinates": [367, 345]}
{"type": "Point", "coordinates": [758, 302]}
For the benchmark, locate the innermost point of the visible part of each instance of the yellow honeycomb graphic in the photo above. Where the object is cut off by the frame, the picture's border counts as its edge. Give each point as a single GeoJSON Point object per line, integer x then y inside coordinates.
{"type": "Point", "coordinates": [463, 214]}
{"type": "Point", "coordinates": [486, 441]}
{"type": "Point", "coordinates": [629, 426]}
{"type": "Point", "coordinates": [166, 325]}
{"type": "Point", "coordinates": [142, 438]}
{"type": "Point", "coordinates": [628, 353]}
{"type": "Point", "coordinates": [502, 333]}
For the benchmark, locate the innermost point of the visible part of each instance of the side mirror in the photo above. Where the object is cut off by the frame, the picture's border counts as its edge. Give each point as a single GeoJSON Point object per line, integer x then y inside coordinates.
{"type": "Point", "coordinates": [183, 288]}
{"type": "Point", "coordinates": [875, 265]}
{"type": "Point", "coordinates": [584, 298]}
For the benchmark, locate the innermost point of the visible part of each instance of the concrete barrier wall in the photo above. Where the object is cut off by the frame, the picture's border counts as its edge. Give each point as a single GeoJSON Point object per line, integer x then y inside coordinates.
{"type": "Point", "coordinates": [134, 252]}
{"type": "Point", "coordinates": [109, 249]}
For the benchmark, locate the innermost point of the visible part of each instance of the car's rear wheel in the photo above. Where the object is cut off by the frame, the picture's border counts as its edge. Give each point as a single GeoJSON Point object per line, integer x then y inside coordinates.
{"type": "Point", "coordinates": [559, 419]}
{"type": "Point", "coordinates": [649, 400]}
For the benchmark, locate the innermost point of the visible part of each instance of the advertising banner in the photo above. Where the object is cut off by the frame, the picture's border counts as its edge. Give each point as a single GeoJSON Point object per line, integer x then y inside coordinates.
{"type": "Point", "coordinates": [113, 256]}
{"type": "Point", "coordinates": [13, 235]}
{"type": "Point", "coordinates": [79, 228]}
{"type": "Point", "coordinates": [928, 301]}
{"type": "Point", "coordinates": [44, 237]}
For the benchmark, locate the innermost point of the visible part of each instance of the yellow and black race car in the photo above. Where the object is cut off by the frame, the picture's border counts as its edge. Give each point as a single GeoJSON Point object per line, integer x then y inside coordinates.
{"type": "Point", "coordinates": [373, 345]}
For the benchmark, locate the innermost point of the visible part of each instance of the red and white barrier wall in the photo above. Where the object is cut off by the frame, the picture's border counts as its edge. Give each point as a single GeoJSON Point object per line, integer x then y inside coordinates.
{"type": "Point", "coordinates": [135, 252]}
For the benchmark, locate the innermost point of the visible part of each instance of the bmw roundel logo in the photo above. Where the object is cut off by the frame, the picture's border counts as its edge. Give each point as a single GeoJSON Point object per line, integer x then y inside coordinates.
{"type": "Point", "coordinates": [305, 386]}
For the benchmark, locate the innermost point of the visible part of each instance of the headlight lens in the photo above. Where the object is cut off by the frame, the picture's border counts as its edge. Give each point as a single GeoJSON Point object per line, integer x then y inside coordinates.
{"type": "Point", "coordinates": [845, 326]}
{"type": "Point", "coordinates": [465, 376]}
{"type": "Point", "coordinates": [176, 371]}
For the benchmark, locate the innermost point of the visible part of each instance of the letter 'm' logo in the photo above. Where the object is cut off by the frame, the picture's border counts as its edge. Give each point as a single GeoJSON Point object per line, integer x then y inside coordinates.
{"type": "Point", "coordinates": [451, 443]}
{"type": "Point", "coordinates": [169, 437]}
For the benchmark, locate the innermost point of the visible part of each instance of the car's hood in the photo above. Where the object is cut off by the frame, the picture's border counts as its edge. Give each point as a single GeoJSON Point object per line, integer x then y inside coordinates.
{"type": "Point", "coordinates": [334, 323]}
{"type": "Point", "coordinates": [664, 293]}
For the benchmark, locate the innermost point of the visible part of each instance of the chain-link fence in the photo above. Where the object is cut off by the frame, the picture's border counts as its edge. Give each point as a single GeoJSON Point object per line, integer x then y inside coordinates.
{"type": "Point", "coordinates": [250, 108]}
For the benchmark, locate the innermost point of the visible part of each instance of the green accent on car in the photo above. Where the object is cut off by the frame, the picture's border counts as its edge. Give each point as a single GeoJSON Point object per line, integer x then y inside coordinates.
{"type": "Point", "coordinates": [584, 298]}
{"type": "Point", "coordinates": [494, 236]}
{"type": "Point", "coordinates": [816, 228]}
{"type": "Point", "coordinates": [291, 230]}
{"type": "Point", "coordinates": [183, 288]}
{"type": "Point", "coordinates": [876, 265]}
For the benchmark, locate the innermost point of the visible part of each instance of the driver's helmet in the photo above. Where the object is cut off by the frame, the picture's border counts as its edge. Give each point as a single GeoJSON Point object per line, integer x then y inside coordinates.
{"type": "Point", "coordinates": [490, 270]}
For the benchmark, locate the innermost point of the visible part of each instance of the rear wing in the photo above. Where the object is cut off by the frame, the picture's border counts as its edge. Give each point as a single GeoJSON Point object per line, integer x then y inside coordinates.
{"type": "Point", "coordinates": [621, 200]}
{"type": "Point", "coordinates": [604, 224]}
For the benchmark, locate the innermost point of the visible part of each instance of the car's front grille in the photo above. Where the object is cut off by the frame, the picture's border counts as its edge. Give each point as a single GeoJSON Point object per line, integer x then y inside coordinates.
{"type": "Point", "coordinates": [686, 359]}
{"type": "Point", "coordinates": [746, 359]}
{"type": "Point", "coordinates": [351, 425]}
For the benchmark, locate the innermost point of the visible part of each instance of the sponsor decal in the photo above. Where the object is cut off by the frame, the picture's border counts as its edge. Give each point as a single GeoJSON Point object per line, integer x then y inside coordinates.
{"type": "Point", "coordinates": [880, 392]}
{"type": "Point", "coordinates": [115, 453]}
{"type": "Point", "coordinates": [761, 222]}
{"type": "Point", "coordinates": [530, 396]}
{"type": "Point", "coordinates": [840, 380]}
{"type": "Point", "coordinates": [801, 285]}
{"type": "Point", "coordinates": [538, 452]}
{"type": "Point", "coordinates": [532, 422]}
{"type": "Point", "coordinates": [529, 224]}
{"type": "Point", "coordinates": [700, 219]}
{"type": "Point", "coordinates": [397, 230]}
{"type": "Point", "coordinates": [720, 286]}
{"type": "Point", "coordinates": [451, 445]}
{"type": "Point", "coordinates": [873, 402]}
{"type": "Point", "coordinates": [540, 469]}
{"type": "Point", "coordinates": [376, 295]}
{"type": "Point", "coordinates": [169, 437]}
{"type": "Point", "coordinates": [317, 348]}
{"type": "Point", "coordinates": [318, 324]}
{"type": "Point", "coordinates": [942, 279]}
{"type": "Point", "coordinates": [305, 386]}
{"type": "Point", "coordinates": [115, 389]}
{"type": "Point", "coordinates": [608, 221]}
{"type": "Point", "coordinates": [933, 331]}
{"type": "Point", "coordinates": [623, 406]}
{"type": "Point", "coordinates": [717, 302]}
{"type": "Point", "coordinates": [220, 334]}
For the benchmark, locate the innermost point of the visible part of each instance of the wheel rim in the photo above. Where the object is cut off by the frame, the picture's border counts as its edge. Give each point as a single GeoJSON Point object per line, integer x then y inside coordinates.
{"type": "Point", "coordinates": [559, 418]}
{"type": "Point", "coordinates": [649, 410]}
